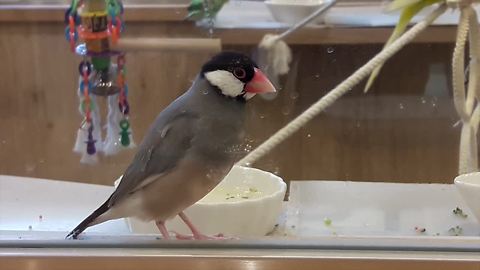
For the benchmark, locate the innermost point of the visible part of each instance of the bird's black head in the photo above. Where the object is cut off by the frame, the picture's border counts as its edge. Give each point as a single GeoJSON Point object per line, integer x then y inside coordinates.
{"type": "Point", "coordinates": [236, 75]}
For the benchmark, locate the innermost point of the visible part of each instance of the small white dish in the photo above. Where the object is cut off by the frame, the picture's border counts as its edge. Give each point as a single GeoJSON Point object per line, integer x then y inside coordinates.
{"type": "Point", "coordinates": [247, 203]}
{"type": "Point", "coordinates": [469, 187]}
{"type": "Point", "coordinates": [292, 12]}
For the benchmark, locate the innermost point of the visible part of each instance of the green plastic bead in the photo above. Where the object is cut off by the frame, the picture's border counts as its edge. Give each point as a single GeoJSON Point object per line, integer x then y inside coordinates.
{"type": "Point", "coordinates": [82, 106]}
{"type": "Point", "coordinates": [125, 135]}
{"type": "Point", "coordinates": [100, 63]}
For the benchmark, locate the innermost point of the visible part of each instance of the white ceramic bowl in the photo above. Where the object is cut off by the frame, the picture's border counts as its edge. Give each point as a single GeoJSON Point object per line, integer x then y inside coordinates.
{"type": "Point", "coordinates": [469, 187]}
{"type": "Point", "coordinates": [246, 203]}
{"type": "Point", "coordinates": [291, 12]}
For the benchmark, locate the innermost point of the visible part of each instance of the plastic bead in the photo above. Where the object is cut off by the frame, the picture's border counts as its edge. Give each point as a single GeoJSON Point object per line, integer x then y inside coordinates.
{"type": "Point", "coordinates": [111, 12]}
{"type": "Point", "coordinates": [82, 87]}
{"type": "Point", "coordinates": [69, 34]}
{"type": "Point", "coordinates": [101, 63]}
{"type": "Point", "coordinates": [82, 106]}
{"type": "Point", "coordinates": [67, 15]}
{"type": "Point", "coordinates": [114, 32]}
{"type": "Point", "coordinates": [118, 25]}
{"type": "Point", "coordinates": [124, 107]}
{"type": "Point", "coordinates": [125, 135]}
{"type": "Point", "coordinates": [83, 65]}
{"type": "Point", "coordinates": [75, 16]}
{"type": "Point", "coordinates": [71, 22]}
{"type": "Point", "coordinates": [91, 142]}
{"type": "Point", "coordinates": [81, 49]}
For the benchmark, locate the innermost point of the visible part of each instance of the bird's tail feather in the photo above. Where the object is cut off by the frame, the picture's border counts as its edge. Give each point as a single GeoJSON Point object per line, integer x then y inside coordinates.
{"type": "Point", "coordinates": [88, 221]}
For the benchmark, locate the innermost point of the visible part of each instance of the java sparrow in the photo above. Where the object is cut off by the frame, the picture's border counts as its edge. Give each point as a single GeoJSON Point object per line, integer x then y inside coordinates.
{"type": "Point", "coordinates": [188, 148]}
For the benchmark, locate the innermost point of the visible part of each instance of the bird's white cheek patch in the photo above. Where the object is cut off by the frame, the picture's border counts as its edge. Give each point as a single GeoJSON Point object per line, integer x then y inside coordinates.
{"type": "Point", "coordinates": [228, 84]}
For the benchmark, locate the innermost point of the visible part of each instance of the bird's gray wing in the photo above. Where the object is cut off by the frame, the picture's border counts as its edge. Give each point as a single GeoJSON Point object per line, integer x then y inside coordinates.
{"type": "Point", "coordinates": [159, 153]}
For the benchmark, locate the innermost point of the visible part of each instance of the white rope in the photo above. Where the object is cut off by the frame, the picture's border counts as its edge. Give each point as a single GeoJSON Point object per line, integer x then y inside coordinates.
{"type": "Point", "coordinates": [465, 105]}
{"type": "Point", "coordinates": [341, 89]}
{"type": "Point", "coordinates": [458, 71]}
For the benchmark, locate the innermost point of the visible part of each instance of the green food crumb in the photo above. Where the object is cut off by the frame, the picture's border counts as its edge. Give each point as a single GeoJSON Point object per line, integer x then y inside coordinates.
{"type": "Point", "coordinates": [244, 197]}
{"type": "Point", "coordinates": [456, 231]}
{"type": "Point", "coordinates": [459, 212]}
{"type": "Point", "coordinates": [253, 189]}
{"type": "Point", "coordinates": [327, 221]}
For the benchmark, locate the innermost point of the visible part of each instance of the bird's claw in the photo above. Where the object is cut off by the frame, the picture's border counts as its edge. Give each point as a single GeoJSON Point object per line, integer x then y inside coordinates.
{"type": "Point", "coordinates": [219, 236]}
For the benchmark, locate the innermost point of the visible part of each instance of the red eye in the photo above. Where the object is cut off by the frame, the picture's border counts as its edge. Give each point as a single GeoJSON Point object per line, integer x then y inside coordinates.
{"type": "Point", "coordinates": [239, 73]}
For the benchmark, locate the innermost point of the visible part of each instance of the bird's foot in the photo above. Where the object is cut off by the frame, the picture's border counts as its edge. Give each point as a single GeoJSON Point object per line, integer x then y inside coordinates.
{"type": "Point", "coordinates": [200, 236]}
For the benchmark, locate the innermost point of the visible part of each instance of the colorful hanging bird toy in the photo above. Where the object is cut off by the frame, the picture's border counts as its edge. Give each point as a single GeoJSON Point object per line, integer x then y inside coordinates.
{"type": "Point", "coordinates": [92, 26]}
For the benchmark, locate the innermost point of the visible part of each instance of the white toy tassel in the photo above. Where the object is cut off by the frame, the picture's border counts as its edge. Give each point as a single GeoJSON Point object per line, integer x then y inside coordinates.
{"type": "Point", "coordinates": [274, 55]}
{"type": "Point", "coordinates": [112, 143]}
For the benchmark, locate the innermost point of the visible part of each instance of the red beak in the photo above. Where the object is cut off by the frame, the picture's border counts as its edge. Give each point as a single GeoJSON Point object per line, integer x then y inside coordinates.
{"type": "Point", "coordinates": [259, 84]}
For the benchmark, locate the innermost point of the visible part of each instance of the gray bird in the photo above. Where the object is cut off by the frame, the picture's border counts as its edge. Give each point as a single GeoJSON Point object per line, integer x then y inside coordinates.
{"type": "Point", "coordinates": [188, 149]}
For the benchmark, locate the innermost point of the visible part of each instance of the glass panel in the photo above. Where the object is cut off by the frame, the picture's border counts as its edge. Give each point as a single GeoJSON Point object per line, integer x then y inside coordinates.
{"type": "Point", "coordinates": [372, 175]}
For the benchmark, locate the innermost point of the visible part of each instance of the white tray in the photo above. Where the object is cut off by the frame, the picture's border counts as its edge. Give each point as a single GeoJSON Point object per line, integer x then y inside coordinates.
{"type": "Point", "coordinates": [366, 209]}
{"type": "Point", "coordinates": [364, 215]}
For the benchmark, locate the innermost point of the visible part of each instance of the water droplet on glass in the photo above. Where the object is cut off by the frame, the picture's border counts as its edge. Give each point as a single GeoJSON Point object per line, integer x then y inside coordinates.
{"type": "Point", "coordinates": [357, 124]}
{"type": "Point", "coordinates": [434, 104]}
{"type": "Point", "coordinates": [294, 95]}
{"type": "Point", "coordinates": [423, 100]}
{"type": "Point", "coordinates": [330, 50]}
{"type": "Point", "coordinates": [317, 75]}
{"type": "Point", "coordinates": [205, 92]}
{"type": "Point", "coordinates": [276, 170]}
{"type": "Point", "coordinates": [262, 116]}
{"type": "Point", "coordinates": [248, 164]}
{"type": "Point", "coordinates": [309, 135]}
{"type": "Point", "coordinates": [42, 161]}
{"type": "Point", "coordinates": [401, 106]}
{"type": "Point", "coordinates": [286, 111]}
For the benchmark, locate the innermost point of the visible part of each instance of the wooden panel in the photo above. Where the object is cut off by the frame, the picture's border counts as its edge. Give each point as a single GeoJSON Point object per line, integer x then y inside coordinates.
{"type": "Point", "coordinates": [284, 261]}
{"type": "Point", "coordinates": [148, 14]}
{"type": "Point", "coordinates": [55, 13]}
{"type": "Point", "coordinates": [362, 137]}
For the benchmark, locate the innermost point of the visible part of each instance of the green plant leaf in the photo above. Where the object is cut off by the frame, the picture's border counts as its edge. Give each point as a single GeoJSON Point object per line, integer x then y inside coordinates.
{"type": "Point", "coordinates": [409, 11]}
{"type": "Point", "coordinates": [197, 12]}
